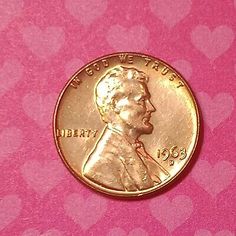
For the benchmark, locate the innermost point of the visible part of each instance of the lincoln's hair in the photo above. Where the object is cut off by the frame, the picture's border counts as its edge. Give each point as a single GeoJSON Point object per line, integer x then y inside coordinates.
{"type": "Point", "coordinates": [110, 87]}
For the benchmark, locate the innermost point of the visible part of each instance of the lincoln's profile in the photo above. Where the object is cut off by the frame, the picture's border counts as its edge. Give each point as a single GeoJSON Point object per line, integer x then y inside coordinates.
{"type": "Point", "coordinates": [119, 160]}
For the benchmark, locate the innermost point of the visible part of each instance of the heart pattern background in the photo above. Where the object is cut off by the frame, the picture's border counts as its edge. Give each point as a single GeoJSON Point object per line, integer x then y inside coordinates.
{"type": "Point", "coordinates": [43, 43]}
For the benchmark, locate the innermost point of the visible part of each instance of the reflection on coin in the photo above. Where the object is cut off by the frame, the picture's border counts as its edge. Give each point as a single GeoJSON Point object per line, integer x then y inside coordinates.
{"type": "Point", "coordinates": [126, 124]}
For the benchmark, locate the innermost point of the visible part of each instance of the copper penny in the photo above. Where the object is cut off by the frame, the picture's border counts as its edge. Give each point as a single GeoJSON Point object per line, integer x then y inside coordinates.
{"type": "Point", "coordinates": [126, 124]}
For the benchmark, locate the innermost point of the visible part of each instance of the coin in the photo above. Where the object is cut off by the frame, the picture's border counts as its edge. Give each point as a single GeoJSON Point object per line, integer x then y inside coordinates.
{"type": "Point", "coordinates": [126, 124]}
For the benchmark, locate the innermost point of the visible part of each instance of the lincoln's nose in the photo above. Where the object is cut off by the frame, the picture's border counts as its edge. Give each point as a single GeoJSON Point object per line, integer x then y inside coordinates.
{"type": "Point", "coordinates": [150, 107]}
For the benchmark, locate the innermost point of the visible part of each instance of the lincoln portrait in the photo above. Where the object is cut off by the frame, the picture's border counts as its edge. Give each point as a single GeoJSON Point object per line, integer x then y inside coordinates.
{"type": "Point", "coordinates": [119, 160]}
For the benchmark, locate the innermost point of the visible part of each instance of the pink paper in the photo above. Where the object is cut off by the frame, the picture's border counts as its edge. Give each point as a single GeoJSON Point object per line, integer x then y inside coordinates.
{"type": "Point", "coordinates": [43, 43]}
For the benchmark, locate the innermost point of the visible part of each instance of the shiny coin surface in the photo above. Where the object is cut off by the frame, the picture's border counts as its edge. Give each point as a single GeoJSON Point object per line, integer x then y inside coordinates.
{"type": "Point", "coordinates": [126, 124]}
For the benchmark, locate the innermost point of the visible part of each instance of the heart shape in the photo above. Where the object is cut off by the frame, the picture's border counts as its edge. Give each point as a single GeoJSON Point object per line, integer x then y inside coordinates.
{"type": "Point", "coordinates": [10, 73]}
{"type": "Point", "coordinates": [85, 211]}
{"type": "Point", "coordinates": [173, 213]}
{"type": "Point", "coordinates": [212, 43]}
{"type": "Point", "coordinates": [39, 107]}
{"type": "Point", "coordinates": [35, 232]}
{"type": "Point", "coordinates": [204, 232]}
{"type": "Point", "coordinates": [86, 11]}
{"type": "Point", "coordinates": [42, 177]}
{"type": "Point", "coordinates": [43, 43]}
{"type": "Point", "coordinates": [9, 10]}
{"type": "Point", "coordinates": [184, 67]}
{"type": "Point", "coordinates": [170, 12]}
{"type": "Point", "coordinates": [10, 141]}
{"type": "Point", "coordinates": [10, 207]}
{"type": "Point", "coordinates": [213, 179]}
{"type": "Point", "coordinates": [72, 66]}
{"type": "Point", "coordinates": [132, 39]}
{"type": "Point", "coordinates": [215, 110]}
{"type": "Point", "coordinates": [120, 232]}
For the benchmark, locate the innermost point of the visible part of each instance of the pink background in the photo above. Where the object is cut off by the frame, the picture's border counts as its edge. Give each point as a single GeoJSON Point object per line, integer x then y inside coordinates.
{"type": "Point", "coordinates": [43, 43]}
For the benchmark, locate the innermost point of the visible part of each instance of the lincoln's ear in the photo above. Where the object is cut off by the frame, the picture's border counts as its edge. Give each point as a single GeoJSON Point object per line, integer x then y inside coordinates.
{"type": "Point", "coordinates": [115, 106]}
{"type": "Point", "coordinates": [116, 110]}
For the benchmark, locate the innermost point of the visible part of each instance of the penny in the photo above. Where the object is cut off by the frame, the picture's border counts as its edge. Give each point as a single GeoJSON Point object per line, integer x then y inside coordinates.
{"type": "Point", "coordinates": [126, 124]}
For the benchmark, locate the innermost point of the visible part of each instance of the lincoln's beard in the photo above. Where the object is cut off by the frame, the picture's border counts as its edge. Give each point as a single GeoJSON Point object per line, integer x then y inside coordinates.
{"type": "Point", "coordinates": [147, 129]}
{"type": "Point", "coordinates": [131, 127]}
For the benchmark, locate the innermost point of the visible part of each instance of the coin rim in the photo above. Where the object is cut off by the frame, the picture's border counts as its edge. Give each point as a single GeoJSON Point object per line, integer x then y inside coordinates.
{"type": "Point", "coordinates": [107, 190]}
